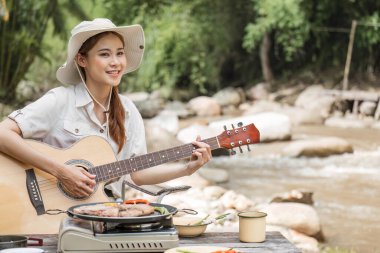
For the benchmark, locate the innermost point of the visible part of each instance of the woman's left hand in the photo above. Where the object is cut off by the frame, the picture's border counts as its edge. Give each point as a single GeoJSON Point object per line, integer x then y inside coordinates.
{"type": "Point", "coordinates": [200, 156]}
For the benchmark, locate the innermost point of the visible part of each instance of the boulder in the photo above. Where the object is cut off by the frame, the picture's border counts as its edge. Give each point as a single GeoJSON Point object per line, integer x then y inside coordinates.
{"type": "Point", "coordinates": [189, 134]}
{"type": "Point", "coordinates": [214, 175]}
{"type": "Point", "coordinates": [301, 116]}
{"type": "Point", "coordinates": [229, 96]}
{"type": "Point", "coordinates": [179, 108]}
{"type": "Point", "coordinates": [258, 92]}
{"type": "Point", "coordinates": [213, 192]}
{"type": "Point", "coordinates": [158, 138]}
{"type": "Point", "coordinates": [167, 120]}
{"type": "Point", "coordinates": [149, 108]}
{"type": "Point", "coordinates": [348, 122]}
{"type": "Point", "coordinates": [204, 106]}
{"type": "Point", "coordinates": [367, 108]}
{"type": "Point", "coordinates": [321, 147]}
{"type": "Point", "coordinates": [299, 217]}
{"type": "Point", "coordinates": [297, 196]}
{"type": "Point", "coordinates": [317, 100]}
{"type": "Point", "coordinates": [262, 106]}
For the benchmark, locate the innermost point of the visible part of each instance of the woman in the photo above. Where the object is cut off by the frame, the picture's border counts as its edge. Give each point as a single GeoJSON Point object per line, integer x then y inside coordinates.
{"type": "Point", "coordinates": [99, 53]}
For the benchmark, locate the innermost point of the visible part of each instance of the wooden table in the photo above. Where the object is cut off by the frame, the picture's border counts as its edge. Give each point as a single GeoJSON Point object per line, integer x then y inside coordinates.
{"type": "Point", "coordinates": [275, 242]}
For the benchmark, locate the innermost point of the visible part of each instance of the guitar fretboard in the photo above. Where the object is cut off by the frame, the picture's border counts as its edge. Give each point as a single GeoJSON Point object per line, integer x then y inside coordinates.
{"type": "Point", "coordinates": [127, 166]}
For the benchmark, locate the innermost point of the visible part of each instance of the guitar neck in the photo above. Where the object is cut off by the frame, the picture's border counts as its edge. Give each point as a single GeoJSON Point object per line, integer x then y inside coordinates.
{"type": "Point", "coordinates": [127, 166]}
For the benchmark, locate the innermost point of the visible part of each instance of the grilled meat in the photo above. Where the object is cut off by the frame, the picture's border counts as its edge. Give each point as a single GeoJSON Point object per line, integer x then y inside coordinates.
{"type": "Point", "coordinates": [122, 210]}
{"type": "Point", "coordinates": [143, 208]}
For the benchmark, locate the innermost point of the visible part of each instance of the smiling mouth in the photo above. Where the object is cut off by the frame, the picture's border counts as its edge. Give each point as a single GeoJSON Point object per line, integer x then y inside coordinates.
{"type": "Point", "coordinates": [113, 72]}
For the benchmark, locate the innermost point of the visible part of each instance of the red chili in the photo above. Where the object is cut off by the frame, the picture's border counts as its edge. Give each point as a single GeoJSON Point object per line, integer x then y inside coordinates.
{"type": "Point", "coordinates": [136, 201]}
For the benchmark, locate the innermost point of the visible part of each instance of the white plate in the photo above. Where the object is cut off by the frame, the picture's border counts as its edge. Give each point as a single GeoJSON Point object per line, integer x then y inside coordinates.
{"type": "Point", "coordinates": [22, 250]}
{"type": "Point", "coordinates": [196, 249]}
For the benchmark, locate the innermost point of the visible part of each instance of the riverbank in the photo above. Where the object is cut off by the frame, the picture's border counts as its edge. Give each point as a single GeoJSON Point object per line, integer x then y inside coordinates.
{"type": "Point", "coordinates": [344, 186]}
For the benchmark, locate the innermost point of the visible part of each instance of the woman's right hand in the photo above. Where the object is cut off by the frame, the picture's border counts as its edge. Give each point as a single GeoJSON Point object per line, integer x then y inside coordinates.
{"type": "Point", "coordinates": [77, 181]}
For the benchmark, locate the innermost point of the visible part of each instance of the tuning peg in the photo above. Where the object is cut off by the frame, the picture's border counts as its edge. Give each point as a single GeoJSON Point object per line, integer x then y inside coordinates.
{"type": "Point", "coordinates": [241, 150]}
{"type": "Point", "coordinates": [249, 149]}
{"type": "Point", "coordinates": [225, 128]}
{"type": "Point", "coordinates": [240, 124]}
{"type": "Point", "coordinates": [233, 127]}
{"type": "Point", "coordinates": [232, 152]}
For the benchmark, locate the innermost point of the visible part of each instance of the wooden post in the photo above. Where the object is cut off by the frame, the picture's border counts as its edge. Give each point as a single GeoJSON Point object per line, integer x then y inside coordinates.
{"type": "Point", "coordinates": [377, 112]}
{"type": "Point", "coordinates": [349, 54]}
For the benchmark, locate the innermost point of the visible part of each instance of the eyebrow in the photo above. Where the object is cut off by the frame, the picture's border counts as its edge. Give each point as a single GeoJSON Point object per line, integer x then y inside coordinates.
{"type": "Point", "coordinates": [107, 49]}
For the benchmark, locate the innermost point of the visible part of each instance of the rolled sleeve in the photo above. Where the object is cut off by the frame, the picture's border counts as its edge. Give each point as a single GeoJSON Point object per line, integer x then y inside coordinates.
{"type": "Point", "coordinates": [37, 119]}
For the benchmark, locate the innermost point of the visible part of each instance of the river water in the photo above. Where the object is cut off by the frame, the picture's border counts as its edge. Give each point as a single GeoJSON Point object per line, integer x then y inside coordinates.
{"type": "Point", "coordinates": [346, 187]}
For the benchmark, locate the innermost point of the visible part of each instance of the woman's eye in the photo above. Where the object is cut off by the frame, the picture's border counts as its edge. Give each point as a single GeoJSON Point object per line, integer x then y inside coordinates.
{"type": "Point", "coordinates": [104, 54]}
{"type": "Point", "coordinates": [120, 53]}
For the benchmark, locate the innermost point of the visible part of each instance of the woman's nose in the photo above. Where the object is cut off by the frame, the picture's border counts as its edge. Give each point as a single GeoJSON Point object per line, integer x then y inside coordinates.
{"type": "Point", "coordinates": [115, 60]}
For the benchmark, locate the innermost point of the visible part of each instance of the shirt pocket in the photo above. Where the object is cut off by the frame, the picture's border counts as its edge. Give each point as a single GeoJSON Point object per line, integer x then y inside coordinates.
{"type": "Point", "coordinates": [76, 129]}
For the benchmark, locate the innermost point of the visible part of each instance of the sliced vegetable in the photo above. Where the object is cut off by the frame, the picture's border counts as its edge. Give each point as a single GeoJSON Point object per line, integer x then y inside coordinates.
{"type": "Point", "coordinates": [206, 220]}
{"type": "Point", "coordinates": [201, 221]}
{"type": "Point", "coordinates": [225, 251]}
{"type": "Point", "coordinates": [161, 210]}
{"type": "Point", "coordinates": [136, 201]}
{"type": "Point", "coordinates": [111, 204]}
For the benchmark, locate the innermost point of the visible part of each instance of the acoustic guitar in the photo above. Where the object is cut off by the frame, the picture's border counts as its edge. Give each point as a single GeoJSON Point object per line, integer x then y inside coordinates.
{"type": "Point", "coordinates": [27, 192]}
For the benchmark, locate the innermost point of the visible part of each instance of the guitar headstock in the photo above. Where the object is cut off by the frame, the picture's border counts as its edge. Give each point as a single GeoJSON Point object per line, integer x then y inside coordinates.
{"type": "Point", "coordinates": [237, 137]}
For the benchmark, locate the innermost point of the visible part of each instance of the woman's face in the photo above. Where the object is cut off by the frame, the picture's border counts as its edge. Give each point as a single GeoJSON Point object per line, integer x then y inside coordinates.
{"type": "Point", "coordinates": [105, 62]}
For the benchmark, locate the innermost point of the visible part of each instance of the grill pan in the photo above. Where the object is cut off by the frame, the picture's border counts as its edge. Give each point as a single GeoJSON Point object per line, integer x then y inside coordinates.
{"type": "Point", "coordinates": [156, 216]}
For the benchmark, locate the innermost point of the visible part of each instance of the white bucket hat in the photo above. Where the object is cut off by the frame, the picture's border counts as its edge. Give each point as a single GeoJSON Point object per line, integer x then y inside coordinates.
{"type": "Point", "coordinates": [134, 46]}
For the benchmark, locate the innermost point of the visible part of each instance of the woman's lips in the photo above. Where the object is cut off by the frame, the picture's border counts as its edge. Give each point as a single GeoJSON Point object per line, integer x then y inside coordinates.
{"type": "Point", "coordinates": [113, 72]}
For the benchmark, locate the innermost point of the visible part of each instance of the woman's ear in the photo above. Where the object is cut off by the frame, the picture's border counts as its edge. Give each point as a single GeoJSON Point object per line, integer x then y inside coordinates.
{"type": "Point", "coordinates": [81, 60]}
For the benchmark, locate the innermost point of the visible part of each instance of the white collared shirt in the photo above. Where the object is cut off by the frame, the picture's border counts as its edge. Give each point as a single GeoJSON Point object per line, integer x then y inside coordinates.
{"type": "Point", "coordinates": [64, 115]}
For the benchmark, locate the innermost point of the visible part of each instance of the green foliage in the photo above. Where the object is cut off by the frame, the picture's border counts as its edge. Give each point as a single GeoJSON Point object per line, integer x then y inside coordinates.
{"type": "Point", "coordinates": [285, 19]}
{"type": "Point", "coordinates": [196, 47]}
{"type": "Point", "coordinates": [21, 39]}
{"type": "Point", "coordinates": [187, 42]}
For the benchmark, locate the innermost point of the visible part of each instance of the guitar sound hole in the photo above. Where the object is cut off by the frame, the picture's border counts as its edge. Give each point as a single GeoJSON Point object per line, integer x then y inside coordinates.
{"type": "Point", "coordinates": [82, 164]}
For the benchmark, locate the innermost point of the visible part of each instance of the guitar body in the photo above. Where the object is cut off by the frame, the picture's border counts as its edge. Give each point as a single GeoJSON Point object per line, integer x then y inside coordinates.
{"type": "Point", "coordinates": [18, 215]}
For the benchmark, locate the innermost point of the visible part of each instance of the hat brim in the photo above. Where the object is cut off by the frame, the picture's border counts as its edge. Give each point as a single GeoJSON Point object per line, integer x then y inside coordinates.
{"type": "Point", "coordinates": [134, 50]}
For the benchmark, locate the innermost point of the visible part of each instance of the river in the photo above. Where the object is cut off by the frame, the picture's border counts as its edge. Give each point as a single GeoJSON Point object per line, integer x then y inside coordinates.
{"type": "Point", "coordinates": [346, 187]}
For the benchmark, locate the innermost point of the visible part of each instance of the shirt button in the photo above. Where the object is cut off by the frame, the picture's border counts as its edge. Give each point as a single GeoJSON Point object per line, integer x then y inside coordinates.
{"type": "Point", "coordinates": [101, 130]}
{"type": "Point", "coordinates": [76, 130]}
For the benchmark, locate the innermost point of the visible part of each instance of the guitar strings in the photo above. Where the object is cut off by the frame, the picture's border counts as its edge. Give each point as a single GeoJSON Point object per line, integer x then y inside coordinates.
{"type": "Point", "coordinates": [48, 184]}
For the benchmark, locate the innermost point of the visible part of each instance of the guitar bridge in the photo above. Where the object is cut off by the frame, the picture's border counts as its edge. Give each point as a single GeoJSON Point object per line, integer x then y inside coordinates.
{"type": "Point", "coordinates": [34, 192]}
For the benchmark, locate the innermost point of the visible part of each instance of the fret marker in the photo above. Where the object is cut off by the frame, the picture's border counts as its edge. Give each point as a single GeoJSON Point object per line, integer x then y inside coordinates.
{"type": "Point", "coordinates": [109, 171]}
{"type": "Point", "coordinates": [117, 168]}
{"type": "Point", "coordinates": [163, 156]}
{"type": "Point", "coordinates": [150, 160]}
{"type": "Point", "coordinates": [177, 152]}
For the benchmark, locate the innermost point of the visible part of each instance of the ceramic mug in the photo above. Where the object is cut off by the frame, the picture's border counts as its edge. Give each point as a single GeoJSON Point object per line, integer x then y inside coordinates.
{"type": "Point", "coordinates": [252, 226]}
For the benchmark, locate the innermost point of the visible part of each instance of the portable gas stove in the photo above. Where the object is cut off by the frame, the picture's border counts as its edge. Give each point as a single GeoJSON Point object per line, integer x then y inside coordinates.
{"type": "Point", "coordinates": [78, 235]}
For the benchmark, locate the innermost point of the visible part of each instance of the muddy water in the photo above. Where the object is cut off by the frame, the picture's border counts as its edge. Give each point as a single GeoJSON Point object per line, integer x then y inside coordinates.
{"type": "Point", "coordinates": [346, 187]}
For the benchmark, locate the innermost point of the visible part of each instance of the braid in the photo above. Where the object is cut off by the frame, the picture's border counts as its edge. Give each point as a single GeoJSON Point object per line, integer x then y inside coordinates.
{"type": "Point", "coordinates": [116, 119]}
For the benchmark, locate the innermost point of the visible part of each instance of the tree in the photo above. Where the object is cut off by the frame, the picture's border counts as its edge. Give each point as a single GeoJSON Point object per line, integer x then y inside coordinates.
{"type": "Point", "coordinates": [21, 38]}
{"type": "Point", "coordinates": [192, 47]}
{"type": "Point", "coordinates": [285, 22]}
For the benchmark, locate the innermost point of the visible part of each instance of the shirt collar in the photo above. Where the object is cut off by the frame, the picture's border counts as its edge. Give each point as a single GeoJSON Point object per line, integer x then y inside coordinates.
{"type": "Point", "coordinates": [82, 97]}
